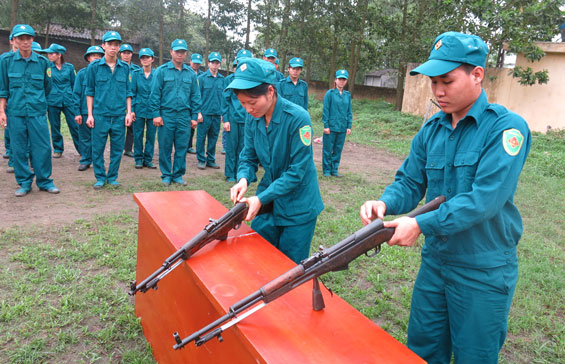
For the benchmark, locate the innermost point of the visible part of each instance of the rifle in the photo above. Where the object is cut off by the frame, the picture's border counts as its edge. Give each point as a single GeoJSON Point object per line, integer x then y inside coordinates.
{"type": "Point", "coordinates": [332, 259]}
{"type": "Point", "coordinates": [215, 230]}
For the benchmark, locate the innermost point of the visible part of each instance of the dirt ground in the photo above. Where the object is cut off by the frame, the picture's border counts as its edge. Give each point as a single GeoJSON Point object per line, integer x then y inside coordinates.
{"type": "Point", "coordinates": [79, 200]}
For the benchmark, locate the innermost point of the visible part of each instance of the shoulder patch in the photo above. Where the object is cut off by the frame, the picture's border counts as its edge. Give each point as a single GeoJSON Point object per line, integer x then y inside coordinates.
{"type": "Point", "coordinates": [48, 72]}
{"type": "Point", "coordinates": [306, 135]}
{"type": "Point", "coordinates": [129, 77]}
{"type": "Point", "coordinates": [512, 140]}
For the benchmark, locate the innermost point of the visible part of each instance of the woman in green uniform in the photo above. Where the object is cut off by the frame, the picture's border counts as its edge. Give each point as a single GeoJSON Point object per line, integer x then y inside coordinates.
{"type": "Point", "coordinates": [278, 135]}
{"type": "Point", "coordinates": [337, 117]}
{"type": "Point", "coordinates": [60, 99]}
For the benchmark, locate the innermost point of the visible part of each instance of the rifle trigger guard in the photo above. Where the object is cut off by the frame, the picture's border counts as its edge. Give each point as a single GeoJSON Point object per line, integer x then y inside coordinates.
{"type": "Point", "coordinates": [237, 226]}
{"type": "Point", "coordinates": [377, 250]}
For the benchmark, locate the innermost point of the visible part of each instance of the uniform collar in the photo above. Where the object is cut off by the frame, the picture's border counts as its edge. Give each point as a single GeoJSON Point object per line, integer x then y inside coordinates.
{"type": "Point", "coordinates": [474, 113]}
{"type": "Point", "coordinates": [33, 57]}
{"type": "Point", "coordinates": [170, 64]}
{"type": "Point", "coordinates": [276, 117]}
{"type": "Point", "coordinates": [119, 62]}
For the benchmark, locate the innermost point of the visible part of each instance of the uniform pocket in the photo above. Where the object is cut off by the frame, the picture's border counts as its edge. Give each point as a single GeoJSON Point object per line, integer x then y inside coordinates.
{"type": "Point", "coordinates": [435, 169]}
{"type": "Point", "coordinates": [465, 164]}
{"type": "Point", "coordinates": [16, 79]}
{"type": "Point", "coordinates": [37, 81]}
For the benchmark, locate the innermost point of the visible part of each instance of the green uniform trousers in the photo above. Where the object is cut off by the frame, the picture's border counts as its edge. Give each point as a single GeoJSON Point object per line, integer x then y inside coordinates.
{"type": "Point", "coordinates": [235, 139]}
{"type": "Point", "coordinates": [460, 310]}
{"type": "Point", "coordinates": [104, 126]}
{"type": "Point", "coordinates": [143, 154]}
{"type": "Point", "coordinates": [331, 156]}
{"type": "Point", "coordinates": [294, 240]}
{"type": "Point", "coordinates": [30, 140]}
{"type": "Point", "coordinates": [85, 137]}
{"type": "Point", "coordinates": [173, 133]}
{"type": "Point", "coordinates": [54, 114]}
{"type": "Point", "coordinates": [209, 128]}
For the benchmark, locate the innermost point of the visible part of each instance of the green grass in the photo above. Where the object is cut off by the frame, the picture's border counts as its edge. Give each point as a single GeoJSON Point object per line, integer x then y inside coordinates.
{"type": "Point", "coordinates": [63, 290]}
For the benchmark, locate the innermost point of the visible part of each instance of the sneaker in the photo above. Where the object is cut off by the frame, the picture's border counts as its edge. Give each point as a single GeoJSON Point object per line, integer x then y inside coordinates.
{"type": "Point", "coordinates": [223, 151]}
{"type": "Point", "coordinates": [150, 165]}
{"type": "Point", "coordinates": [179, 181]}
{"type": "Point", "coordinates": [114, 183]}
{"type": "Point", "coordinates": [138, 166]}
{"type": "Point", "coordinates": [6, 156]}
{"type": "Point", "coordinates": [98, 185]}
{"type": "Point", "coordinates": [338, 175]}
{"type": "Point", "coordinates": [201, 165]}
{"type": "Point", "coordinates": [327, 174]}
{"type": "Point", "coordinates": [166, 181]}
{"type": "Point", "coordinates": [83, 167]}
{"type": "Point", "coordinates": [22, 191]}
{"type": "Point", "coordinates": [230, 179]}
{"type": "Point", "coordinates": [212, 165]}
{"type": "Point", "coordinates": [191, 151]}
{"type": "Point", "coordinates": [57, 155]}
{"type": "Point", "coordinates": [54, 190]}
{"type": "Point", "coordinates": [128, 154]}
{"type": "Point", "coordinates": [10, 170]}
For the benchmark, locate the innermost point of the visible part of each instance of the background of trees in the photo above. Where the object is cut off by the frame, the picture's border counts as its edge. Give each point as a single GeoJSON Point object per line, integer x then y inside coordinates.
{"type": "Point", "coordinates": [359, 35]}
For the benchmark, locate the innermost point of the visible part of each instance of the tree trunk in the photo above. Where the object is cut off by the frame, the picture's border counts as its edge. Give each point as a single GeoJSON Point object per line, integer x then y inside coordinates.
{"type": "Point", "coordinates": [93, 23]}
{"type": "Point", "coordinates": [362, 6]}
{"type": "Point", "coordinates": [208, 22]}
{"type": "Point", "coordinates": [303, 11]}
{"type": "Point", "coordinates": [401, 64]}
{"type": "Point", "coordinates": [284, 33]}
{"type": "Point", "coordinates": [182, 27]}
{"type": "Point", "coordinates": [248, 24]}
{"type": "Point", "coordinates": [14, 13]}
{"type": "Point", "coordinates": [47, 30]}
{"type": "Point", "coordinates": [161, 26]}
{"type": "Point", "coordinates": [268, 24]}
{"type": "Point", "coordinates": [308, 68]}
{"type": "Point", "coordinates": [332, 62]}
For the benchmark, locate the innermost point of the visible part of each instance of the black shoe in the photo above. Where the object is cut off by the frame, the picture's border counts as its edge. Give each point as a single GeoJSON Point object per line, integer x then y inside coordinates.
{"type": "Point", "coordinates": [57, 155]}
{"type": "Point", "coordinates": [191, 151]}
{"type": "Point", "coordinates": [6, 156]}
{"type": "Point", "coordinates": [212, 165]}
{"type": "Point", "coordinates": [83, 167]}
{"type": "Point", "coordinates": [128, 154]}
{"type": "Point", "coordinates": [150, 165]}
{"type": "Point", "coordinates": [138, 166]}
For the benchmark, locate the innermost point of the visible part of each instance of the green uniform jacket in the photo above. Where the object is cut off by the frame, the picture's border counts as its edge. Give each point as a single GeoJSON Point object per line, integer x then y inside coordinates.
{"type": "Point", "coordinates": [232, 110]}
{"type": "Point", "coordinates": [337, 114]}
{"type": "Point", "coordinates": [175, 94]}
{"type": "Point", "coordinates": [25, 84]}
{"type": "Point", "coordinates": [211, 90]}
{"type": "Point", "coordinates": [141, 88]}
{"type": "Point", "coordinates": [63, 82]}
{"type": "Point", "coordinates": [109, 89]}
{"type": "Point", "coordinates": [295, 93]}
{"type": "Point", "coordinates": [476, 166]}
{"type": "Point", "coordinates": [79, 94]}
{"type": "Point", "coordinates": [285, 152]}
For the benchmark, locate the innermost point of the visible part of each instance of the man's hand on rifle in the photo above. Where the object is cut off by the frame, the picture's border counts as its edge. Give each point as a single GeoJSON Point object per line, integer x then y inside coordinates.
{"type": "Point", "coordinates": [406, 231]}
{"type": "Point", "coordinates": [238, 190]}
{"type": "Point", "coordinates": [371, 210]}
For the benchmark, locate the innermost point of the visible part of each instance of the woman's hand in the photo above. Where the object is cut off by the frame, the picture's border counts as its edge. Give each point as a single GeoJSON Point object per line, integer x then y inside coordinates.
{"type": "Point", "coordinates": [238, 190]}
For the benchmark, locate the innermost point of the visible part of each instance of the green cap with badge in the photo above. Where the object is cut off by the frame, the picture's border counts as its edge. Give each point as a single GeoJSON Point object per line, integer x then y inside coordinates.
{"type": "Point", "coordinates": [214, 56]}
{"type": "Point", "coordinates": [93, 50]}
{"type": "Point", "coordinates": [296, 62]}
{"type": "Point", "coordinates": [55, 48]}
{"type": "Point", "coordinates": [146, 52]}
{"type": "Point", "coordinates": [342, 74]}
{"type": "Point", "coordinates": [271, 52]}
{"type": "Point", "coordinates": [22, 29]}
{"type": "Point", "coordinates": [451, 50]}
{"type": "Point", "coordinates": [110, 36]}
{"type": "Point", "coordinates": [252, 72]}
{"type": "Point", "coordinates": [196, 58]}
{"type": "Point", "coordinates": [178, 45]}
{"type": "Point", "coordinates": [126, 48]}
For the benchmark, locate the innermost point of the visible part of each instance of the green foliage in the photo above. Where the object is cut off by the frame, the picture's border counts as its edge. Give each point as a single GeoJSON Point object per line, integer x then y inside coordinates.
{"type": "Point", "coordinates": [527, 76]}
{"type": "Point", "coordinates": [547, 156]}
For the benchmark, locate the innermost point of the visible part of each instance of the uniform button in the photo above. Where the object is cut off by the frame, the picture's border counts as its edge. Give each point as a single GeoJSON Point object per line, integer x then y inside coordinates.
{"type": "Point", "coordinates": [450, 164]}
{"type": "Point", "coordinates": [451, 137]}
{"type": "Point", "coordinates": [449, 190]}
{"type": "Point", "coordinates": [505, 253]}
{"type": "Point", "coordinates": [444, 238]}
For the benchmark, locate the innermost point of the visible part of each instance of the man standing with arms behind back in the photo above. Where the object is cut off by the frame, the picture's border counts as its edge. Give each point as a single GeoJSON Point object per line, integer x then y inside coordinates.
{"type": "Point", "coordinates": [472, 152]}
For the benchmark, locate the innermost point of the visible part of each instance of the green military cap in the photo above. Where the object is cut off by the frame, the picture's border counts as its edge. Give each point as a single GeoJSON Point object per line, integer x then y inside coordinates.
{"type": "Point", "coordinates": [36, 47]}
{"type": "Point", "coordinates": [146, 52]}
{"type": "Point", "coordinates": [252, 72]}
{"type": "Point", "coordinates": [451, 50]}
{"type": "Point", "coordinates": [244, 53]}
{"type": "Point", "coordinates": [126, 47]}
{"type": "Point", "coordinates": [179, 44]}
{"type": "Point", "coordinates": [93, 50]}
{"type": "Point", "coordinates": [55, 48]}
{"type": "Point", "coordinates": [296, 62]}
{"type": "Point", "coordinates": [110, 36]}
{"type": "Point", "coordinates": [22, 29]}
{"type": "Point", "coordinates": [196, 58]}
{"type": "Point", "coordinates": [342, 74]}
{"type": "Point", "coordinates": [271, 52]}
{"type": "Point", "coordinates": [214, 56]}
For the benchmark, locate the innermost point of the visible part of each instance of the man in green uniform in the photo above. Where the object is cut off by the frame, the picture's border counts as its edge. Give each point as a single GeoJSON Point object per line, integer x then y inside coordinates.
{"type": "Point", "coordinates": [25, 82]}
{"type": "Point", "coordinates": [472, 152]}
{"type": "Point", "coordinates": [195, 62]}
{"type": "Point", "coordinates": [175, 104]}
{"type": "Point", "coordinates": [278, 134]}
{"type": "Point", "coordinates": [270, 55]}
{"type": "Point", "coordinates": [108, 99]}
{"type": "Point", "coordinates": [209, 119]}
{"type": "Point", "coordinates": [126, 54]}
{"type": "Point", "coordinates": [293, 88]}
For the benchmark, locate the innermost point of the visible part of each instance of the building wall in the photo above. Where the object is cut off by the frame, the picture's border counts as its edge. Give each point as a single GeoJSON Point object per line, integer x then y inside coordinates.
{"type": "Point", "coordinates": [543, 106]}
{"type": "Point", "coordinates": [319, 88]}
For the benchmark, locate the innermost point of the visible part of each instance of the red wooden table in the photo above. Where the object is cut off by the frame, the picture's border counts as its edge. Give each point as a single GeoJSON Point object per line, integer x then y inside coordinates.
{"type": "Point", "coordinates": [203, 288]}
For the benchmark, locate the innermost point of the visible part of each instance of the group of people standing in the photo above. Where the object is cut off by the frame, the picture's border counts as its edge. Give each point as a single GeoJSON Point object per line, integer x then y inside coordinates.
{"type": "Point", "coordinates": [170, 103]}
{"type": "Point", "coordinates": [472, 152]}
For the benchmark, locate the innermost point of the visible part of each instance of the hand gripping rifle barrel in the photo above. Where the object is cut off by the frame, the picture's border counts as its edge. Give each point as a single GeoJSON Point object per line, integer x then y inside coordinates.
{"type": "Point", "coordinates": [332, 259]}
{"type": "Point", "coordinates": [215, 230]}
